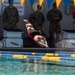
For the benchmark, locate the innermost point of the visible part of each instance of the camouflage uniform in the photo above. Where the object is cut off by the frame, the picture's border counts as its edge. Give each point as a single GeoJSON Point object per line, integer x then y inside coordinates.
{"type": "Point", "coordinates": [37, 19]}
{"type": "Point", "coordinates": [54, 24]}
{"type": "Point", "coordinates": [10, 17]}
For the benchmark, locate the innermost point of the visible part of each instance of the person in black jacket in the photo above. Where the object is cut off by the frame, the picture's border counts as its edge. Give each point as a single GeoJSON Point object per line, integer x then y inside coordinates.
{"type": "Point", "coordinates": [37, 19]}
{"type": "Point", "coordinates": [10, 16]}
{"type": "Point", "coordinates": [54, 16]}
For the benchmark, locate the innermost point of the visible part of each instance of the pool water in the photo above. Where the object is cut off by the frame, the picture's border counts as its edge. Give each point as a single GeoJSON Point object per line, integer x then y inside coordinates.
{"type": "Point", "coordinates": [9, 66]}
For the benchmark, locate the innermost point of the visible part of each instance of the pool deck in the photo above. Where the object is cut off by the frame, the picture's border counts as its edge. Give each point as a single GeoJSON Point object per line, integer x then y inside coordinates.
{"type": "Point", "coordinates": [46, 50]}
{"type": "Point", "coordinates": [30, 46]}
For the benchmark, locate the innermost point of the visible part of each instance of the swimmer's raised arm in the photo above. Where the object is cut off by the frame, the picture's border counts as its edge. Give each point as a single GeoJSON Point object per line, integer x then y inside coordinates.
{"type": "Point", "coordinates": [28, 24]}
{"type": "Point", "coordinates": [26, 21]}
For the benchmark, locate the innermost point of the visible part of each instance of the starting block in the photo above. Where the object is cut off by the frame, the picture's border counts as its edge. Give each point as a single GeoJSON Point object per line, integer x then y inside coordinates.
{"type": "Point", "coordinates": [12, 37]}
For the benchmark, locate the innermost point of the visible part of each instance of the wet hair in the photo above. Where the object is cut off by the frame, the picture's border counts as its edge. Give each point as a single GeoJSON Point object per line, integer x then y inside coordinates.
{"type": "Point", "coordinates": [54, 5]}
{"type": "Point", "coordinates": [39, 7]}
{"type": "Point", "coordinates": [10, 2]}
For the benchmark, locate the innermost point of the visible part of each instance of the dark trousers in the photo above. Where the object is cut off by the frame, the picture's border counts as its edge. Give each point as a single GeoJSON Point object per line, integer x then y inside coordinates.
{"type": "Point", "coordinates": [54, 29]}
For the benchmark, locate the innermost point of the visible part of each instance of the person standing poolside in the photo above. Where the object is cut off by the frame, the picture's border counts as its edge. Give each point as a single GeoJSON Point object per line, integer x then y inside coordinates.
{"type": "Point", "coordinates": [10, 16]}
{"type": "Point", "coordinates": [54, 16]}
{"type": "Point", "coordinates": [37, 19]}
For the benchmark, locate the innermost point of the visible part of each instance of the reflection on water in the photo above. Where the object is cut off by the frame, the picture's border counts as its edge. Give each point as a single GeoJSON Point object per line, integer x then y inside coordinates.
{"type": "Point", "coordinates": [38, 66]}
{"type": "Point", "coordinates": [33, 67]}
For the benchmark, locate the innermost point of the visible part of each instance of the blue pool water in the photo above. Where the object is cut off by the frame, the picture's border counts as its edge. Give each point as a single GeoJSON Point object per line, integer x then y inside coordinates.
{"type": "Point", "coordinates": [9, 66]}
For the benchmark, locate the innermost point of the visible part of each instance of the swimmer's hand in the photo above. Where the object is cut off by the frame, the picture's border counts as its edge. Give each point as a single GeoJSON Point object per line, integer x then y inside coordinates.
{"type": "Point", "coordinates": [25, 20]}
{"type": "Point", "coordinates": [47, 46]}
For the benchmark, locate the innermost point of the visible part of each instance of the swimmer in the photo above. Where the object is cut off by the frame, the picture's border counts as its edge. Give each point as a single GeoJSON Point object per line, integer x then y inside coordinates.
{"type": "Point", "coordinates": [36, 35]}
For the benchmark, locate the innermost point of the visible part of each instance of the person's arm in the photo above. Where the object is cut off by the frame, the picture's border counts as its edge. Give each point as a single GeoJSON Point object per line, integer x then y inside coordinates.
{"type": "Point", "coordinates": [17, 17]}
{"type": "Point", "coordinates": [46, 44]}
{"type": "Point", "coordinates": [5, 16]}
{"type": "Point", "coordinates": [60, 16]}
{"type": "Point", "coordinates": [26, 22]}
{"type": "Point", "coordinates": [49, 16]}
{"type": "Point", "coordinates": [43, 19]}
{"type": "Point", "coordinates": [29, 26]}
